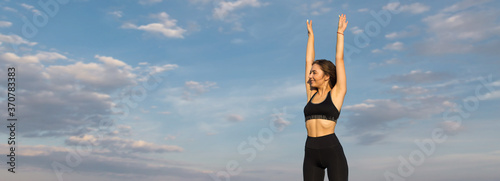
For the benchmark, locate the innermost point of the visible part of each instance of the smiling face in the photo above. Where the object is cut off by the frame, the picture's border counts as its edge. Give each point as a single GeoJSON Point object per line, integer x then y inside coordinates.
{"type": "Point", "coordinates": [317, 77]}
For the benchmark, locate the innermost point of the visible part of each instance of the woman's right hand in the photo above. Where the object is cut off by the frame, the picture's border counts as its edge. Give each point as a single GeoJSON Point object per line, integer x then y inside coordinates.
{"type": "Point", "coordinates": [309, 27]}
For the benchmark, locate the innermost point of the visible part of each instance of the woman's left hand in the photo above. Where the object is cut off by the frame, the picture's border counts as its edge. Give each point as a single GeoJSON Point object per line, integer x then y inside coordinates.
{"type": "Point", "coordinates": [342, 23]}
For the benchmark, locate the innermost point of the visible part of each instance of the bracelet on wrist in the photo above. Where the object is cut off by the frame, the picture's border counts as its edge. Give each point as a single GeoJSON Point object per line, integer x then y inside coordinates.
{"type": "Point", "coordinates": [340, 33]}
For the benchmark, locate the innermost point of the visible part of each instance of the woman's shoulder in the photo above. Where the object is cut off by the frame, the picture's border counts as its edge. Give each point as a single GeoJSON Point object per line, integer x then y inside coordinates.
{"type": "Point", "coordinates": [311, 94]}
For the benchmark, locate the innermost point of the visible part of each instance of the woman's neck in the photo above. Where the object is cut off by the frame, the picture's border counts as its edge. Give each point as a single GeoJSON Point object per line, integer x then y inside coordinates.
{"type": "Point", "coordinates": [323, 90]}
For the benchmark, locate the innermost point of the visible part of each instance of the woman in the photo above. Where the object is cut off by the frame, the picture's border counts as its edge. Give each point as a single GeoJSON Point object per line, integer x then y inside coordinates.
{"type": "Point", "coordinates": [326, 89]}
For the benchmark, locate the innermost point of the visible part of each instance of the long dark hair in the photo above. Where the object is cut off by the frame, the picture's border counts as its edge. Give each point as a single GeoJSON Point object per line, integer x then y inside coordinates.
{"type": "Point", "coordinates": [329, 69]}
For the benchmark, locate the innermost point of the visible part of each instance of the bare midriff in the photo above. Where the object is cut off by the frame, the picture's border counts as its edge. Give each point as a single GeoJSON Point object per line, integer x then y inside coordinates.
{"type": "Point", "coordinates": [320, 127]}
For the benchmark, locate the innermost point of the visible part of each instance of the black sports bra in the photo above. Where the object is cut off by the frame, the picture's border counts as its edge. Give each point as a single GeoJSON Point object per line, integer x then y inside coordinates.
{"type": "Point", "coordinates": [324, 110]}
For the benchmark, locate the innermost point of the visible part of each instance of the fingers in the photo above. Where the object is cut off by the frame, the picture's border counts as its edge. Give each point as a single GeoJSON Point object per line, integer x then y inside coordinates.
{"type": "Point", "coordinates": [342, 18]}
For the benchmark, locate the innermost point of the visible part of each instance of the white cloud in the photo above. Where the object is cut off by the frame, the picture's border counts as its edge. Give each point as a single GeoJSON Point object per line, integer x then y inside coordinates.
{"type": "Point", "coordinates": [6, 8]}
{"type": "Point", "coordinates": [453, 31]}
{"type": "Point", "coordinates": [363, 10]}
{"type": "Point", "coordinates": [477, 165]}
{"type": "Point", "coordinates": [193, 88]}
{"type": "Point", "coordinates": [97, 161]}
{"type": "Point", "coordinates": [41, 56]}
{"type": "Point", "coordinates": [11, 57]}
{"type": "Point", "coordinates": [170, 137]}
{"type": "Point", "coordinates": [61, 96]}
{"type": "Point", "coordinates": [391, 6]}
{"type": "Point", "coordinates": [345, 6]}
{"type": "Point", "coordinates": [225, 8]}
{"type": "Point", "coordinates": [36, 150]}
{"type": "Point", "coordinates": [415, 8]}
{"type": "Point", "coordinates": [458, 26]}
{"type": "Point", "coordinates": [494, 93]}
{"type": "Point", "coordinates": [370, 138]}
{"type": "Point", "coordinates": [370, 121]}
{"type": "Point", "coordinates": [117, 14]}
{"type": "Point", "coordinates": [208, 129]}
{"type": "Point", "coordinates": [464, 5]}
{"type": "Point", "coordinates": [418, 77]}
{"type": "Point", "coordinates": [112, 74]}
{"type": "Point", "coordinates": [394, 46]}
{"type": "Point", "coordinates": [4, 24]}
{"type": "Point", "coordinates": [358, 106]}
{"type": "Point", "coordinates": [123, 145]}
{"type": "Point", "coordinates": [165, 112]}
{"type": "Point", "coordinates": [163, 68]}
{"type": "Point", "coordinates": [199, 87]}
{"type": "Point", "coordinates": [237, 26]}
{"type": "Point", "coordinates": [167, 26]}
{"type": "Point", "coordinates": [226, 11]}
{"type": "Point", "coordinates": [50, 56]}
{"type": "Point", "coordinates": [52, 102]}
{"type": "Point", "coordinates": [129, 25]}
{"type": "Point", "coordinates": [392, 35]}
{"type": "Point", "coordinates": [27, 6]}
{"type": "Point", "coordinates": [121, 130]}
{"type": "Point", "coordinates": [149, 2]}
{"type": "Point", "coordinates": [199, 1]}
{"type": "Point", "coordinates": [317, 4]}
{"type": "Point", "coordinates": [385, 62]}
{"type": "Point", "coordinates": [15, 39]}
{"type": "Point", "coordinates": [315, 8]}
{"type": "Point", "coordinates": [237, 41]}
{"type": "Point", "coordinates": [234, 118]}
{"type": "Point", "coordinates": [356, 30]}
{"type": "Point", "coordinates": [490, 95]}
{"type": "Point", "coordinates": [451, 127]}
{"type": "Point", "coordinates": [376, 51]}
{"type": "Point", "coordinates": [110, 61]}
{"type": "Point", "coordinates": [319, 7]}
{"type": "Point", "coordinates": [193, 26]}
{"type": "Point", "coordinates": [403, 34]}
{"type": "Point", "coordinates": [280, 120]}
{"type": "Point", "coordinates": [395, 35]}
{"type": "Point", "coordinates": [496, 83]}
{"type": "Point", "coordinates": [412, 90]}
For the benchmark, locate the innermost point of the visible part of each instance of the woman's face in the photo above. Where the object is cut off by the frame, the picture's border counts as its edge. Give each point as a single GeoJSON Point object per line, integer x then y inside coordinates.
{"type": "Point", "coordinates": [317, 77]}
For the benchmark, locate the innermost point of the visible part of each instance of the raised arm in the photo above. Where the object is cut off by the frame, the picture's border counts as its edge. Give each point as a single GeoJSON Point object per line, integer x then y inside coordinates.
{"type": "Point", "coordinates": [341, 86]}
{"type": "Point", "coordinates": [309, 57]}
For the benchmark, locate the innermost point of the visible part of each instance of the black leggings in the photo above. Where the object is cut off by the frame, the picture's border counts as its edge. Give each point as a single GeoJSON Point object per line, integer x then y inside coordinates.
{"type": "Point", "coordinates": [324, 152]}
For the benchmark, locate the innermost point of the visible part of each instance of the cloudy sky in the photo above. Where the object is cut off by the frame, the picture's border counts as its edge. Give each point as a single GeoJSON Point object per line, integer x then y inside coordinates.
{"type": "Point", "coordinates": [207, 90]}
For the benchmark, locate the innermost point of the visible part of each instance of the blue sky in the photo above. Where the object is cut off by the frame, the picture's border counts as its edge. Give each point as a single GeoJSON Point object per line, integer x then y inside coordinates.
{"type": "Point", "coordinates": [213, 89]}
